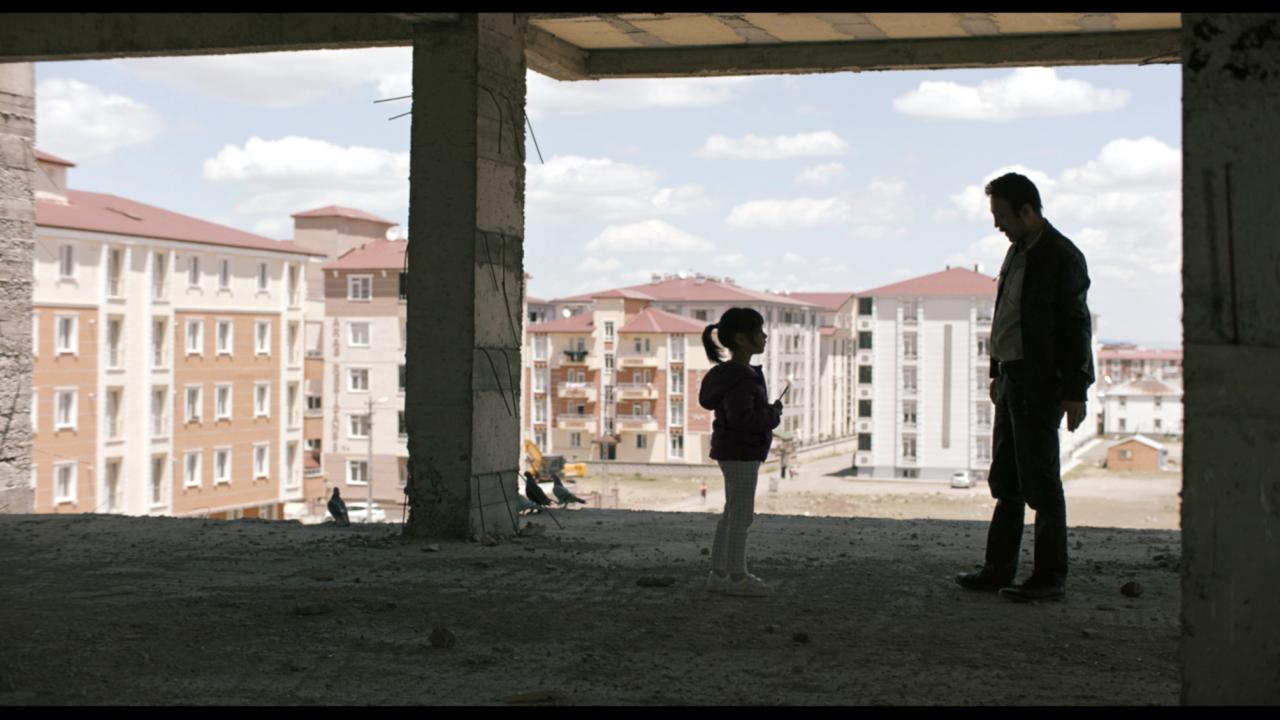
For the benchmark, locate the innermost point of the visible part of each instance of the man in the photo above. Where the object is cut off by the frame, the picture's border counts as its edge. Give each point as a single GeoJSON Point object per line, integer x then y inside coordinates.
{"type": "Point", "coordinates": [1041, 366]}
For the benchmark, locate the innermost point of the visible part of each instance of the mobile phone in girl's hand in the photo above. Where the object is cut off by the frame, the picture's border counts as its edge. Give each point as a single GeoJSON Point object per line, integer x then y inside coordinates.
{"type": "Point", "coordinates": [785, 389]}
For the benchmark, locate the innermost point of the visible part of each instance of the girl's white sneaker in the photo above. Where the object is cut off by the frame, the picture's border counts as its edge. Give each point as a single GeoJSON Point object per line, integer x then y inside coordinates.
{"type": "Point", "coordinates": [716, 583]}
{"type": "Point", "coordinates": [748, 586]}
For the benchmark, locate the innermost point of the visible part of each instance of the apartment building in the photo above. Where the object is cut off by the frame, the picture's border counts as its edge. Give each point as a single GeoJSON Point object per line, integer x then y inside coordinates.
{"type": "Point", "coordinates": [835, 418]}
{"type": "Point", "coordinates": [1153, 407]}
{"type": "Point", "coordinates": [333, 231]}
{"type": "Point", "coordinates": [1126, 362]}
{"type": "Point", "coordinates": [167, 359]}
{"type": "Point", "coordinates": [364, 378]}
{"type": "Point", "coordinates": [615, 374]}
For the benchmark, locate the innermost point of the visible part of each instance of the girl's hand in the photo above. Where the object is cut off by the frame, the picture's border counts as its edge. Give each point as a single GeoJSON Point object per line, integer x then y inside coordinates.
{"type": "Point", "coordinates": [777, 406]}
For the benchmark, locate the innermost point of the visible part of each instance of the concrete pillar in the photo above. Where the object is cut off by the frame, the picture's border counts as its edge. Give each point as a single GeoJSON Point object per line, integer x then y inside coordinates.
{"type": "Point", "coordinates": [1231, 324]}
{"type": "Point", "coordinates": [17, 234]}
{"type": "Point", "coordinates": [466, 269]}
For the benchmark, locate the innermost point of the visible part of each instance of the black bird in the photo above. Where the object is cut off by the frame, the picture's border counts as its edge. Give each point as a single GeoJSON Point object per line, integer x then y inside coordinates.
{"type": "Point", "coordinates": [338, 509]}
{"type": "Point", "coordinates": [533, 492]}
{"type": "Point", "coordinates": [563, 495]}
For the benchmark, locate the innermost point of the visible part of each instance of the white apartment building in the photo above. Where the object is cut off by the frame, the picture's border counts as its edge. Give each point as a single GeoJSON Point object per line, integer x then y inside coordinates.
{"type": "Point", "coordinates": [835, 418]}
{"type": "Point", "coordinates": [167, 359]}
{"type": "Point", "coordinates": [1123, 362]}
{"type": "Point", "coordinates": [1151, 407]}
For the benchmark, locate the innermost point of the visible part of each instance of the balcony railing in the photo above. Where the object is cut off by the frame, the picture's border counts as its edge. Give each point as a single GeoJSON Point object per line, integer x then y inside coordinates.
{"type": "Point", "coordinates": [634, 390]}
{"type": "Point", "coordinates": [576, 389]}
{"type": "Point", "coordinates": [638, 422]}
{"type": "Point", "coordinates": [576, 356]}
{"type": "Point", "coordinates": [568, 421]}
{"type": "Point", "coordinates": [638, 359]}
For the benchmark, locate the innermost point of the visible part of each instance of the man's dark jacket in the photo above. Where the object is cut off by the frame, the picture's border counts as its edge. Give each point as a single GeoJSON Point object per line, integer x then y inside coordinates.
{"type": "Point", "coordinates": [745, 419]}
{"type": "Point", "coordinates": [1056, 325]}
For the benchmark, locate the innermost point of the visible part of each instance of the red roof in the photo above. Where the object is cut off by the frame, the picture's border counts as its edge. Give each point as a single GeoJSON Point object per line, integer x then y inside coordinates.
{"type": "Point", "coordinates": [1138, 354]}
{"type": "Point", "coordinates": [953, 282]}
{"type": "Point", "coordinates": [690, 290]}
{"type": "Point", "coordinates": [576, 324]}
{"type": "Point", "coordinates": [1144, 387]}
{"type": "Point", "coordinates": [376, 255]}
{"type": "Point", "coordinates": [338, 211]}
{"type": "Point", "coordinates": [827, 330]}
{"type": "Point", "coordinates": [99, 212]}
{"type": "Point", "coordinates": [54, 159]}
{"type": "Point", "coordinates": [653, 320]}
{"type": "Point", "coordinates": [825, 300]}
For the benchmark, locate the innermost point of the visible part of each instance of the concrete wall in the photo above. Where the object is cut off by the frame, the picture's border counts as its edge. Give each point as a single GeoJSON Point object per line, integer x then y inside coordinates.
{"type": "Point", "coordinates": [17, 230]}
{"type": "Point", "coordinates": [1231, 325]}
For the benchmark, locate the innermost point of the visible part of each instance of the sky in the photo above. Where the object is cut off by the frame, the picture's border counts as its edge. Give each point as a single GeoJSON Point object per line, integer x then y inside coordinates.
{"type": "Point", "coordinates": [823, 182]}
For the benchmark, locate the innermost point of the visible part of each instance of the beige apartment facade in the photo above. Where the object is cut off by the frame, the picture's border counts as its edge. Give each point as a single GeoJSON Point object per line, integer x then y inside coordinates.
{"type": "Point", "coordinates": [167, 360]}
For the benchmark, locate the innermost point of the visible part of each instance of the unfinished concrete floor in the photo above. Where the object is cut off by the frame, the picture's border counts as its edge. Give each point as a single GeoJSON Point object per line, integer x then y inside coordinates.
{"type": "Point", "coordinates": [101, 609]}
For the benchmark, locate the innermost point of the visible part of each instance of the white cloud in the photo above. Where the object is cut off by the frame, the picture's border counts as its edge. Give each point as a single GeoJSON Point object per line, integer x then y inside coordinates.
{"type": "Point", "coordinates": [973, 203]}
{"type": "Point", "coordinates": [754, 147]}
{"type": "Point", "coordinates": [294, 174]}
{"type": "Point", "coordinates": [732, 260]}
{"type": "Point", "coordinates": [1026, 92]}
{"type": "Point", "coordinates": [800, 212]}
{"type": "Point", "coordinates": [81, 122]}
{"type": "Point", "coordinates": [649, 236]}
{"type": "Point", "coordinates": [283, 79]}
{"type": "Point", "coordinates": [794, 259]}
{"type": "Point", "coordinates": [591, 264]}
{"type": "Point", "coordinates": [822, 175]}
{"type": "Point", "coordinates": [987, 252]}
{"type": "Point", "coordinates": [546, 96]}
{"type": "Point", "coordinates": [570, 186]}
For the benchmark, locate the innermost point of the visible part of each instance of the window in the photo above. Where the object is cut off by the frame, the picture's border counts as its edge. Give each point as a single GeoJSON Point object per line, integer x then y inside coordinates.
{"type": "Point", "coordinates": [115, 349]}
{"type": "Point", "coordinates": [262, 277]}
{"type": "Point", "coordinates": [291, 464]}
{"type": "Point", "coordinates": [293, 343]}
{"type": "Point", "coordinates": [158, 396]}
{"type": "Point", "coordinates": [677, 412]}
{"type": "Point", "coordinates": [359, 287]}
{"type": "Point", "coordinates": [195, 341]}
{"type": "Point", "coordinates": [262, 337]}
{"type": "Point", "coordinates": [1156, 404]}
{"type": "Point", "coordinates": [909, 447]}
{"type": "Point", "coordinates": [313, 403]}
{"type": "Point", "coordinates": [193, 271]}
{"type": "Point", "coordinates": [864, 408]}
{"type": "Point", "coordinates": [1157, 421]}
{"type": "Point", "coordinates": [157, 480]}
{"type": "Point", "coordinates": [1121, 424]}
{"type": "Point", "coordinates": [358, 334]}
{"type": "Point", "coordinates": [357, 379]}
{"type": "Point", "coordinates": [262, 399]}
{"type": "Point", "coordinates": [113, 411]}
{"type": "Point", "coordinates": [404, 471]}
{"type": "Point", "coordinates": [677, 382]}
{"type": "Point", "coordinates": [575, 440]}
{"type": "Point", "coordinates": [643, 345]}
{"type": "Point", "coordinates": [608, 362]}
{"type": "Point", "coordinates": [159, 281]}
{"type": "Point", "coordinates": [909, 345]}
{"type": "Point", "coordinates": [984, 414]}
{"type": "Point", "coordinates": [642, 442]}
{"type": "Point", "coordinates": [677, 446]}
{"type": "Point", "coordinates": [402, 429]}
{"type": "Point", "coordinates": [864, 306]}
{"type": "Point", "coordinates": [358, 426]}
{"type": "Point", "coordinates": [261, 460]}
{"type": "Point", "coordinates": [65, 402]}
{"type": "Point", "coordinates": [608, 330]}
{"type": "Point", "coordinates": [67, 262]}
{"type": "Point", "coordinates": [984, 448]}
{"type": "Point", "coordinates": [221, 466]}
{"type": "Point", "coordinates": [864, 441]}
{"type": "Point", "coordinates": [1126, 454]}
{"type": "Point", "coordinates": [115, 263]}
{"type": "Point", "coordinates": [111, 486]}
{"type": "Point", "coordinates": [908, 411]}
{"type": "Point", "coordinates": [158, 344]}
{"type": "Point", "coordinates": [1122, 401]}
{"type": "Point", "coordinates": [700, 315]}
{"type": "Point", "coordinates": [224, 274]}
{"type": "Point", "coordinates": [984, 345]}
{"type": "Point", "coordinates": [224, 338]}
{"type": "Point", "coordinates": [404, 286]}
{"type": "Point", "coordinates": [64, 483]}
{"type": "Point", "coordinates": [292, 403]}
{"type": "Point", "coordinates": [222, 402]}
{"type": "Point", "coordinates": [908, 378]}
{"type": "Point", "coordinates": [402, 378]}
{"type": "Point", "coordinates": [864, 339]}
{"type": "Point", "coordinates": [195, 403]}
{"type": "Point", "coordinates": [191, 469]}
{"type": "Point", "coordinates": [293, 284]}
{"type": "Point", "coordinates": [677, 348]}
{"type": "Point", "coordinates": [404, 333]}
{"type": "Point", "coordinates": [68, 340]}
{"type": "Point", "coordinates": [864, 374]}
{"type": "Point", "coordinates": [357, 472]}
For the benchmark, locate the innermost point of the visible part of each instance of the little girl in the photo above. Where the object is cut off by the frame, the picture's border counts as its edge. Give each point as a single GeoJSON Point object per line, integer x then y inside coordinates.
{"type": "Point", "coordinates": [740, 439]}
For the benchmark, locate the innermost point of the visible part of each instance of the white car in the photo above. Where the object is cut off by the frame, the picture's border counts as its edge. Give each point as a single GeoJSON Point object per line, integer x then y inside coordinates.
{"type": "Point", "coordinates": [357, 513]}
{"type": "Point", "coordinates": [961, 479]}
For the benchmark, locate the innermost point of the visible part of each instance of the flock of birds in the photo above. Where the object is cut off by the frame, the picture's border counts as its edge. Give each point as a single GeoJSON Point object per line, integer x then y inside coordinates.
{"type": "Point", "coordinates": [535, 499]}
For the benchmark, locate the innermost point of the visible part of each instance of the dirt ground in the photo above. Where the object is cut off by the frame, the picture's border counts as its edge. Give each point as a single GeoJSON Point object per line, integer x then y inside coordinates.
{"type": "Point", "coordinates": [101, 609]}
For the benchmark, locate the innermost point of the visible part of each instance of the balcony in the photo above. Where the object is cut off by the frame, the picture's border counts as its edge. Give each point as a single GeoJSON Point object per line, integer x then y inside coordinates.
{"type": "Point", "coordinates": [576, 390]}
{"type": "Point", "coordinates": [909, 390]}
{"type": "Point", "coordinates": [637, 391]}
{"type": "Point", "coordinates": [638, 360]}
{"type": "Point", "coordinates": [566, 421]}
{"type": "Point", "coordinates": [908, 460]}
{"type": "Point", "coordinates": [637, 422]}
{"type": "Point", "coordinates": [576, 357]}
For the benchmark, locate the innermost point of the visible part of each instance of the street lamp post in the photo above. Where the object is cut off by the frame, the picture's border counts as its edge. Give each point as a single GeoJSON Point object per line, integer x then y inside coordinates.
{"type": "Point", "coordinates": [368, 508]}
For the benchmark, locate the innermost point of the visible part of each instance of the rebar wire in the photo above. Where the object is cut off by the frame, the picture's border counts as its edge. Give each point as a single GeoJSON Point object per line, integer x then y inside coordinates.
{"type": "Point", "coordinates": [402, 97]}
{"type": "Point", "coordinates": [535, 139]}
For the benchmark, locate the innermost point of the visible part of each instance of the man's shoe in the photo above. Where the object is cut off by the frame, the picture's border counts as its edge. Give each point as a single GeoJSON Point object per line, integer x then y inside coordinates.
{"type": "Point", "coordinates": [983, 580]}
{"type": "Point", "coordinates": [1033, 590]}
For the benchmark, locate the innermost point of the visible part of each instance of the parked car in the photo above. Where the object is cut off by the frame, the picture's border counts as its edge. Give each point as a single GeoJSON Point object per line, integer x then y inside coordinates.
{"type": "Point", "coordinates": [357, 514]}
{"type": "Point", "coordinates": [961, 479]}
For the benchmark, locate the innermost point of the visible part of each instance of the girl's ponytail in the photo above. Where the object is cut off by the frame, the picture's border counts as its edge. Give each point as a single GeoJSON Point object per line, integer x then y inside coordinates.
{"type": "Point", "coordinates": [713, 352]}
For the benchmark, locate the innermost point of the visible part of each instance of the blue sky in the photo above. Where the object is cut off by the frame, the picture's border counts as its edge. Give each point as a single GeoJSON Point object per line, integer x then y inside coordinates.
{"type": "Point", "coordinates": [806, 182]}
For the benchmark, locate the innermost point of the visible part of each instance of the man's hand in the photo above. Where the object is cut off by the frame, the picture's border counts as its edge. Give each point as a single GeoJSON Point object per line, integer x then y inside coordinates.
{"type": "Point", "coordinates": [1074, 410]}
{"type": "Point", "coordinates": [992, 393]}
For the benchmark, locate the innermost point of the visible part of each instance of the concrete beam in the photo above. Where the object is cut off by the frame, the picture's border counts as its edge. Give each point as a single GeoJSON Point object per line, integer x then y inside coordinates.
{"type": "Point", "coordinates": [926, 54]}
{"type": "Point", "coordinates": [553, 57]}
{"type": "Point", "coordinates": [28, 37]}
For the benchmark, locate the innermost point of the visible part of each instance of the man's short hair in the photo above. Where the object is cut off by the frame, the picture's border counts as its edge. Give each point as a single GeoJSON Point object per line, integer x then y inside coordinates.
{"type": "Point", "coordinates": [1015, 189]}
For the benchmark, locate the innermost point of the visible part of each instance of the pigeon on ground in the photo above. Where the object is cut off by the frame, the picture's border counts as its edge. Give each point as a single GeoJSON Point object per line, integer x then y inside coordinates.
{"type": "Point", "coordinates": [533, 492]}
{"type": "Point", "coordinates": [338, 509]}
{"type": "Point", "coordinates": [564, 496]}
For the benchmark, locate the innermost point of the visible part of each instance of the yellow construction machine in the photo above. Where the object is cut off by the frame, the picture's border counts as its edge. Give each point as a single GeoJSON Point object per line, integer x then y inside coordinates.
{"type": "Point", "coordinates": [546, 467]}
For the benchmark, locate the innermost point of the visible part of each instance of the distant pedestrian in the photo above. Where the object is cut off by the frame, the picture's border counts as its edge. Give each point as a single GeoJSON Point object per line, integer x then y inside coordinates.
{"type": "Point", "coordinates": [704, 492]}
{"type": "Point", "coordinates": [740, 438]}
{"type": "Point", "coordinates": [1041, 366]}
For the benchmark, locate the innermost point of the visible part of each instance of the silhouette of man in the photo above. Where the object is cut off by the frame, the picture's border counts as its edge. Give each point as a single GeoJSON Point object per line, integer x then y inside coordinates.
{"type": "Point", "coordinates": [1041, 367]}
